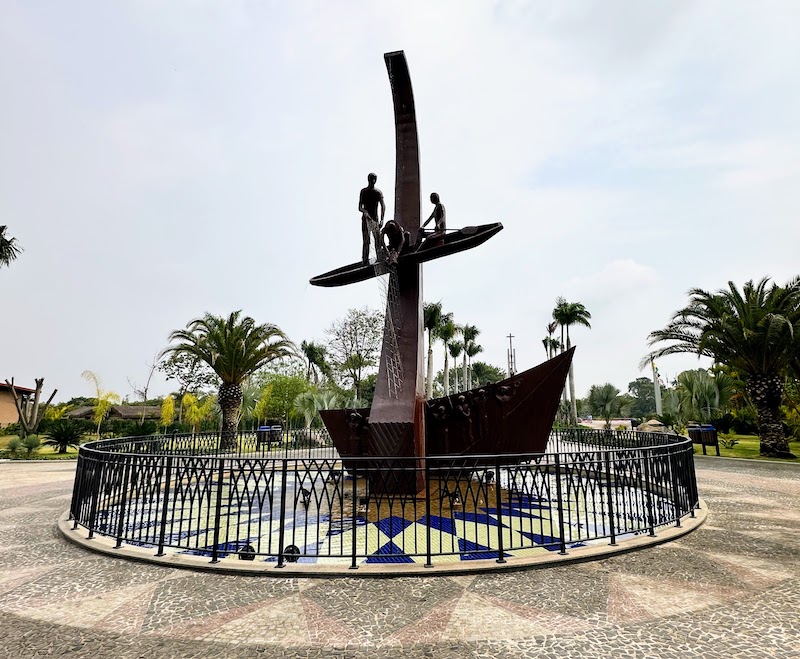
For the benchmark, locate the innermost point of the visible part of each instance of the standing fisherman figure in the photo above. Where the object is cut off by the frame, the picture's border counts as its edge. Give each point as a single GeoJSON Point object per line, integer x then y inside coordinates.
{"type": "Point", "coordinates": [435, 237]}
{"type": "Point", "coordinates": [368, 202]}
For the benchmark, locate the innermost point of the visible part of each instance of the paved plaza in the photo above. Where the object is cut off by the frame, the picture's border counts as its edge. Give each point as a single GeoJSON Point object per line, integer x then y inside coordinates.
{"type": "Point", "coordinates": [729, 589]}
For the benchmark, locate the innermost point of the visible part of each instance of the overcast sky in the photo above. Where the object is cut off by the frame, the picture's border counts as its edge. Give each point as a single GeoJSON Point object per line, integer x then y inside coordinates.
{"type": "Point", "coordinates": [161, 160]}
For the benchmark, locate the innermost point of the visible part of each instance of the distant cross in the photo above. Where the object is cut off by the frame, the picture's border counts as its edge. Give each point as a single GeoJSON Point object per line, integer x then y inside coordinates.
{"type": "Point", "coordinates": [512, 357]}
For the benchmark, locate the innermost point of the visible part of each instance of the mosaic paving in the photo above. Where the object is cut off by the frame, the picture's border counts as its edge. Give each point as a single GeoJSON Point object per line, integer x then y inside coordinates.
{"type": "Point", "coordinates": [729, 589]}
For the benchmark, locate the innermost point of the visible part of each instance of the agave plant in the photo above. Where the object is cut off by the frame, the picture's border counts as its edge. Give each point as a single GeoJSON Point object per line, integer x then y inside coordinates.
{"type": "Point", "coordinates": [63, 435]}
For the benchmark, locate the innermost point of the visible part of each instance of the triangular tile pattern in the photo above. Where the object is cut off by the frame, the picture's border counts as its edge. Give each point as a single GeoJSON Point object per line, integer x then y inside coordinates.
{"type": "Point", "coordinates": [87, 611]}
{"type": "Point", "coordinates": [282, 622]}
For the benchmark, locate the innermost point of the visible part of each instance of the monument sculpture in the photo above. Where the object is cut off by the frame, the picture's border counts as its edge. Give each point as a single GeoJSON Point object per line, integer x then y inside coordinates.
{"type": "Point", "coordinates": [512, 416]}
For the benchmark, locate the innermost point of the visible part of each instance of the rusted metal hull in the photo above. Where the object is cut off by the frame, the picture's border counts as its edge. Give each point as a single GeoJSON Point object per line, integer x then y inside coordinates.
{"type": "Point", "coordinates": [511, 417]}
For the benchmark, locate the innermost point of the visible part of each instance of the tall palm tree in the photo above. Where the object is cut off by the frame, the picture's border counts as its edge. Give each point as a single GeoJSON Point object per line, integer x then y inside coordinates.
{"type": "Point", "coordinates": [756, 332]}
{"type": "Point", "coordinates": [468, 335]}
{"type": "Point", "coordinates": [455, 348]}
{"type": "Point", "coordinates": [9, 248]}
{"type": "Point", "coordinates": [567, 314]}
{"type": "Point", "coordinates": [431, 319]}
{"type": "Point", "coordinates": [471, 350]}
{"type": "Point", "coordinates": [234, 347]}
{"type": "Point", "coordinates": [549, 342]}
{"type": "Point", "coordinates": [445, 333]}
{"type": "Point", "coordinates": [551, 346]}
{"type": "Point", "coordinates": [316, 363]}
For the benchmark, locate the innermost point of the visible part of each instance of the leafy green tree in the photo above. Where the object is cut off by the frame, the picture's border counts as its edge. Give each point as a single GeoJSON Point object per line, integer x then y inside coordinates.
{"type": "Point", "coordinates": [9, 247]}
{"type": "Point", "coordinates": [567, 314]}
{"type": "Point", "coordinates": [354, 344]}
{"type": "Point", "coordinates": [234, 347]}
{"type": "Point", "coordinates": [282, 390]}
{"type": "Point", "coordinates": [604, 401]}
{"type": "Point", "coordinates": [644, 397]}
{"type": "Point", "coordinates": [483, 374]}
{"type": "Point", "coordinates": [191, 373]}
{"type": "Point", "coordinates": [63, 435]}
{"type": "Point", "coordinates": [756, 332]}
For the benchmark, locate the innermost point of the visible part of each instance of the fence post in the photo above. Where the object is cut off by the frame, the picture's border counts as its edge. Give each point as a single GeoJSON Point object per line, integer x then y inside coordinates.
{"type": "Point", "coordinates": [354, 497]}
{"type": "Point", "coordinates": [498, 498]}
{"type": "Point", "coordinates": [282, 528]}
{"type": "Point", "coordinates": [648, 495]}
{"type": "Point", "coordinates": [218, 512]}
{"type": "Point", "coordinates": [676, 502]}
{"type": "Point", "coordinates": [610, 497]}
{"type": "Point", "coordinates": [94, 481]}
{"type": "Point", "coordinates": [559, 503]}
{"type": "Point", "coordinates": [126, 470]}
{"type": "Point", "coordinates": [428, 561]}
{"type": "Point", "coordinates": [164, 507]}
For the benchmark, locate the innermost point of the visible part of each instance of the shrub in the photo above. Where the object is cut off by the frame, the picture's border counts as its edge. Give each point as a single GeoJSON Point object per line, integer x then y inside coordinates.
{"type": "Point", "coordinates": [727, 440]}
{"type": "Point", "coordinates": [14, 445]}
{"type": "Point", "coordinates": [63, 434]}
{"type": "Point", "coordinates": [31, 444]}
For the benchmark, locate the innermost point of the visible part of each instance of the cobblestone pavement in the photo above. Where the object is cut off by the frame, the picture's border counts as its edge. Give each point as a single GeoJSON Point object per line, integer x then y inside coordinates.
{"type": "Point", "coordinates": [729, 589]}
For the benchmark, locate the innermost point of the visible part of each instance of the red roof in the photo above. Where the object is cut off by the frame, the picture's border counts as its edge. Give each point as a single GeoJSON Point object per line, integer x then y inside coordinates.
{"type": "Point", "coordinates": [24, 390]}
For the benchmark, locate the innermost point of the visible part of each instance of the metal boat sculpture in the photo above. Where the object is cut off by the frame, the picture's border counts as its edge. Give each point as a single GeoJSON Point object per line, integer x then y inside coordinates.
{"type": "Point", "coordinates": [454, 242]}
{"type": "Point", "coordinates": [511, 417]}
{"type": "Point", "coordinates": [402, 427]}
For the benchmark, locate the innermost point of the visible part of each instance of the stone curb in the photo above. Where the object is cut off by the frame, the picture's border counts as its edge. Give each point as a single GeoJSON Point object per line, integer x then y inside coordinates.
{"type": "Point", "coordinates": [105, 545]}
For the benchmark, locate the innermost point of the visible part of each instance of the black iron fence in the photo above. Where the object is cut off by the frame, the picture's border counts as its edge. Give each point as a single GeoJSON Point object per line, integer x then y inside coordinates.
{"type": "Point", "coordinates": [294, 499]}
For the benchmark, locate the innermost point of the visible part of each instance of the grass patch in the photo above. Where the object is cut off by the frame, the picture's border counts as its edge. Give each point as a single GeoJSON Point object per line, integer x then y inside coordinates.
{"type": "Point", "coordinates": [748, 447]}
{"type": "Point", "coordinates": [44, 452]}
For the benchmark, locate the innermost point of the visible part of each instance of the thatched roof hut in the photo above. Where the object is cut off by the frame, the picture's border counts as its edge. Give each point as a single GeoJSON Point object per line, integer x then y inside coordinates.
{"type": "Point", "coordinates": [131, 412]}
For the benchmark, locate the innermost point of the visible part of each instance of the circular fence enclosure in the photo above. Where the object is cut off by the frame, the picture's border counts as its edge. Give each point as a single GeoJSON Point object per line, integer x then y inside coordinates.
{"type": "Point", "coordinates": [294, 500]}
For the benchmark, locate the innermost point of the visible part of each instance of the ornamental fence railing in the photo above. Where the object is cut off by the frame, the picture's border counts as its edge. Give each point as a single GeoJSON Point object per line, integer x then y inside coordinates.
{"type": "Point", "coordinates": [293, 498]}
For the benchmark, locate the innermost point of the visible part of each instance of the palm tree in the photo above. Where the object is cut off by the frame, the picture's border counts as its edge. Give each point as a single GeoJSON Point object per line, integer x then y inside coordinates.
{"type": "Point", "coordinates": [9, 248]}
{"type": "Point", "coordinates": [472, 350]}
{"type": "Point", "coordinates": [105, 399]}
{"type": "Point", "coordinates": [316, 365]}
{"type": "Point", "coordinates": [551, 346]}
{"type": "Point", "coordinates": [431, 319]}
{"type": "Point", "coordinates": [701, 395]}
{"type": "Point", "coordinates": [468, 335]}
{"type": "Point", "coordinates": [63, 435]}
{"type": "Point", "coordinates": [234, 347]}
{"type": "Point", "coordinates": [454, 348]}
{"type": "Point", "coordinates": [567, 314]}
{"type": "Point", "coordinates": [756, 332]}
{"type": "Point", "coordinates": [604, 401]}
{"type": "Point", "coordinates": [445, 333]}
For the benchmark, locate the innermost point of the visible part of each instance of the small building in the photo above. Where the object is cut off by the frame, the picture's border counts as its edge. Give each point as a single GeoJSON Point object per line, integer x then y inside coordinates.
{"type": "Point", "coordinates": [128, 412]}
{"type": "Point", "coordinates": [8, 410]}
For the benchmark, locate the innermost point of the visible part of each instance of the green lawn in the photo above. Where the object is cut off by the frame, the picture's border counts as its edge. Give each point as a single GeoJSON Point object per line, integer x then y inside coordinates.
{"type": "Point", "coordinates": [746, 448]}
{"type": "Point", "coordinates": [44, 452]}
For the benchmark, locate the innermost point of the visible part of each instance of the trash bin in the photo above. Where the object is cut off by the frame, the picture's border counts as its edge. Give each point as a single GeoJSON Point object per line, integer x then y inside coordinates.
{"type": "Point", "coordinates": [262, 436]}
{"type": "Point", "coordinates": [276, 435]}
